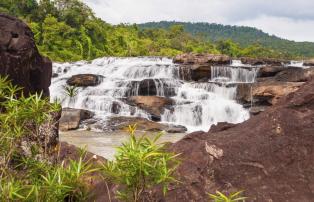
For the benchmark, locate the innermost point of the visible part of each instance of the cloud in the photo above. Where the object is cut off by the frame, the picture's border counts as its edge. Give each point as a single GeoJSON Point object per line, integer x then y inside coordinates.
{"type": "Point", "coordinates": [291, 19]}
{"type": "Point", "coordinates": [298, 30]}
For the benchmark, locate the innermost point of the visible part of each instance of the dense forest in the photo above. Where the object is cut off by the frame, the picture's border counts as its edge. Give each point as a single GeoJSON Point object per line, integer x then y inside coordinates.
{"type": "Point", "coordinates": [244, 36]}
{"type": "Point", "coordinates": [68, 30]}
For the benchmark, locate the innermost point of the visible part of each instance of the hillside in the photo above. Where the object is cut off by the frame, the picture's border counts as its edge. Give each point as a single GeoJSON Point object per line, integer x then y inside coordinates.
{"type": "Point", "coordinates": [242, 35]}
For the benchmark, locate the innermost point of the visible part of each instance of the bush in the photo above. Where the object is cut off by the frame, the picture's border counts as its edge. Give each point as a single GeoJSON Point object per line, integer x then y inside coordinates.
{"type": "Point", "coordinates": [139, 164]}
{"type": "Point", "coordinates": [39, 180]}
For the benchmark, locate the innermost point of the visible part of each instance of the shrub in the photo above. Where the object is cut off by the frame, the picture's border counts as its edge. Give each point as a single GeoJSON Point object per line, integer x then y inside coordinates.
{"type": "Point", "coordinates": [21, 119]}
{"type": "Point", "coordinates": [139, 164]}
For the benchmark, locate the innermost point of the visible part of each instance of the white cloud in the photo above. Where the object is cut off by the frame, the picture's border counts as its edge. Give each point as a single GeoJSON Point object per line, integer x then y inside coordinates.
{"type": "Point", "coordinates": [298, 30]}
{"type": "Point", "coordinates": [292, 19]}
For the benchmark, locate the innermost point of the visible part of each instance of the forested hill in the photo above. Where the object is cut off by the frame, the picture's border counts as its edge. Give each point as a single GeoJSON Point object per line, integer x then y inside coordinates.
{"type": "Point", "coordinates": [68, 30]}
{"type": "Point", "coordinates": [242, 35]}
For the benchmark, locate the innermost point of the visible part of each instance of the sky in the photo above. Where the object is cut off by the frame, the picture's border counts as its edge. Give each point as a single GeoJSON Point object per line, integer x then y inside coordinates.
{"type": "Point", "coordinates": [289, 19]}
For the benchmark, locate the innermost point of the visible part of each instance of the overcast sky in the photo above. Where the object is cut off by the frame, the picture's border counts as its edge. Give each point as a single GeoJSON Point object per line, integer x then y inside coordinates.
{"type": "Point", "coordinates": [290, 19]}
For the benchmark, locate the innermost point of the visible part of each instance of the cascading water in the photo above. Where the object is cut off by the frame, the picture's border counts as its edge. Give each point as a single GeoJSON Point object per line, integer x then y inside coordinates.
{"type": "Point", "coordinates": [198, 105]}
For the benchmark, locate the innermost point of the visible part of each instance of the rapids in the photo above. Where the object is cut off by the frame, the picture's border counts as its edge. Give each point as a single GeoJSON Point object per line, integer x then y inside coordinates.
{"type": "Point", "coordinates": [198, 104]}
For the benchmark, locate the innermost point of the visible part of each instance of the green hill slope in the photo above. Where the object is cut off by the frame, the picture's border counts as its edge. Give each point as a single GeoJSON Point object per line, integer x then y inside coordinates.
{"type": "Point", "coordinates": [242, 35]}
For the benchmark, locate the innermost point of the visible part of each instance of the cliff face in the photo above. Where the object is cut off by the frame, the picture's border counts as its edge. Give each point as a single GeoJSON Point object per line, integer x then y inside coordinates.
{"type": "Point", "coordinates": [20, 59]}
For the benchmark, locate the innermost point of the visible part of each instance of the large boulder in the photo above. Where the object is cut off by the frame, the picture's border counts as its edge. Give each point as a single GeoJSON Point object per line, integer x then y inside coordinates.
{"type": "Point", "coordinates": [269, 71]}
{"type": "Point", "coordinates": [263, 61]}
{"type": "Point", "coordinates": [122, 123]}
{"type": "Point", "coordinates": [71, 118]}
{"type": "Point", "coordinates": [309, 62]}
{"type": "Point", "coordinates": [198, 66]}
{"type": "Point", "coordinates": [84, 80]}
{"type": "Point", "coordinates": [202, 59]}
{"type": "Point", "coordinates": [151, 87]}
{"type": "Point", "coordinates": [270, 156]}
{"type": "Point", "coordinates": [265, 93]}
{"type": "Point", "coordinates": [294, 74]}
{"type": "Point", "coordinates": [20, 59]}
{"type": "Point", "coordinates": [154, 105]}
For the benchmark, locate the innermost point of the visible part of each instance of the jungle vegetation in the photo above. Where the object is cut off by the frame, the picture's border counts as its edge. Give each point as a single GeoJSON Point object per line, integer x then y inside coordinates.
{"type": "Point", "coordinates": [68, 30]}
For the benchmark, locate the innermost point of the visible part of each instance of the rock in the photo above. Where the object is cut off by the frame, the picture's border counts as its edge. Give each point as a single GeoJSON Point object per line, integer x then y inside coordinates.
{"type": "Point", "coordinates": [263, 61]}
{"type": "Point", "coordinates": [151, 87]}
{"type": "Point", "coordinates": [176, 129]}
{"type": "Point", "coordinates": [257, 110]}
{"type": "Point", "coordinates": [309, 62]}
{"type": "Point", "coordinates": [221, 127]}
{"type": "Point", "coordinates": [84, 80]}
{"type": "Point", "coordinates": [202, 59]}
{"type": "Point", "coordinates": [198, 66]}
{"type": "Point", "coordinates": [71, 118]}
{"type": "Point", "coordinates": [270, 154]}
{"type": "Point", "coordinates": [265, 93]}
{"type": "Point", "coordinates": [154, 105]}
{"type": "Point", "coordinates": [269, 71]}
{"type": "Point", "coordinates": [55, 75]}
{"type": "Point", "coordinates": [20, 59]}
{"type": "Point", "coordinates": [294, 74]}
{"type": "Point", "coordinates": [115, 107]}
{"type": "Point", "coordinates": [122, 123]}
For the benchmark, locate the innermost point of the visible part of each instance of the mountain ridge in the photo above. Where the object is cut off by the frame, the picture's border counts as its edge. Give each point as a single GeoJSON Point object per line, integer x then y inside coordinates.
{"type": "Point", "coordinates": [243, 35]}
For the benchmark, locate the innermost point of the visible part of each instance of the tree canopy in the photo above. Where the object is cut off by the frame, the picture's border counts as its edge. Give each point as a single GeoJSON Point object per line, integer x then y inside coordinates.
{"type": "Point", "coordinates": [67, 30]}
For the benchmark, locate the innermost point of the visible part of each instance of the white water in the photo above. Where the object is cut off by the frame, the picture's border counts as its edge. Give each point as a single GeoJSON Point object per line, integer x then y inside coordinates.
{"type": "Point", "coordinates": [198, 105]}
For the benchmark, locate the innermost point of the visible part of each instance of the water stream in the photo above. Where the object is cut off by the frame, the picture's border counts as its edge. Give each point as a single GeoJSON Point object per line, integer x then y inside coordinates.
{"type": "Point", "coordinates": [198, 104]}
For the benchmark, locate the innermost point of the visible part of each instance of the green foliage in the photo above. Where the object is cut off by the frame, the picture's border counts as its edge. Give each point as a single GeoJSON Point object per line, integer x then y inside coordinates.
{"type": "Point", "coordinates": [70, 91]}
{"type": "Point", "coordinates": [234, 197]}
{"type": "Point", "coordinates": [23, 177]}
{"type": "Point", "coordinates": [139, 164]}
{"type": "Point", "coordinates": [67, 30]}
{"type": "Point", "coordinates": [244, 36]}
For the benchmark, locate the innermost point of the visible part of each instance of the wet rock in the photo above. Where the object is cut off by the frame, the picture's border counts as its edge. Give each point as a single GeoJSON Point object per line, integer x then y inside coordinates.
{"type": "Point", "coordinates": [263, 61]}
{"type": "Point", "coordinates": [154, 105]}
{"type": "Point", "coordinates": [115, 107]}
{"type": "Point", "coordinates": [269, 71]}
{"type": "Point", "coordinates": [309, 62]}
{"type": "Point", "coordinates": [198, 66]}
{"type": "Point", "coordinates": [151, 87]}
{"type": "Point", "coordinates": [176, 129]}
{"type": "Point", "coordinates": [55, 75]}
{"type": "Point", "coordinates": [84, 80]}
{"type": "Point", "coordinates": [202, 59]}
{"type": "Point", "coordinates": [294, 74]}
{"type": "Point", "coordinates": [122, 123]}
{"type": "Point", "coordinates": [20, 59]}
{"type": "Point", "coordinates": [71, 118]}
{"type": "Point", "coordinates": [265, 93]}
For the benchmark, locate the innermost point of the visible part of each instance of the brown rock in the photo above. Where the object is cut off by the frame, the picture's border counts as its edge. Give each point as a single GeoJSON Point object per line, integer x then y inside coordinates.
{"type": "Point", "coordinates": [265, 93]}
{"type": "Point", "coordinates": [269, 71]}
{"type": "Point", "coordinates": [221, 127]}
{"type": "Point", "coordinates": [71, 118]}
{"type": "Point", "coordinates": [122, 123]}
{"type": "Point", "coordinates": [20, 59]}
{"type": "Point", "coordinates": [295, 74]}
{"type": "Point", "coordinates": [154, 105]}
{"type": "Point", "coordinates": [270, 156]}
{"type": "Point", "coordinates": [84, 80]}
{"type": "Point", "coordinates": [263, 61]}
{"type": "Point", "coordinates": [309, 62]}
{"type": "Point", "coordinates": [202, 59]}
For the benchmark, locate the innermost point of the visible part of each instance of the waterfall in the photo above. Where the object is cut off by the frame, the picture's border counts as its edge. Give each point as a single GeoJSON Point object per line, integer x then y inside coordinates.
{"type": "Point", "coordinates": [198, 105]}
